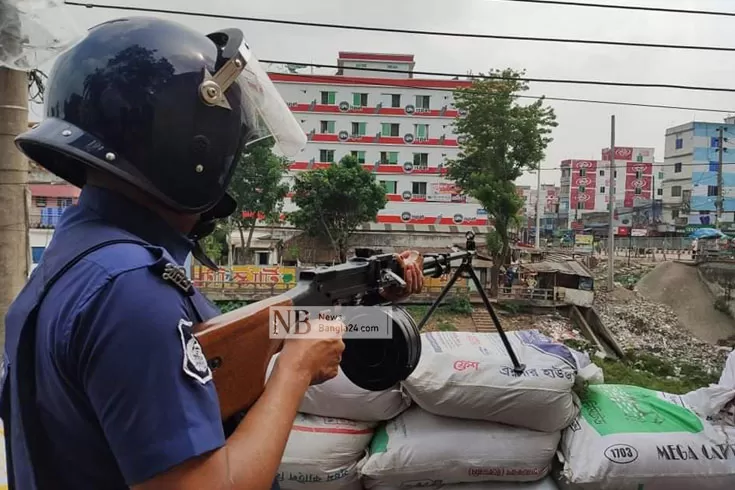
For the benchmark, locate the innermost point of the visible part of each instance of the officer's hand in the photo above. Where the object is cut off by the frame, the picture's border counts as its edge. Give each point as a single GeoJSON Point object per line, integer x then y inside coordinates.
{"type": "Point", "coordinates": [317, 357]}
{"type": "Point", "coordinates": [412, 265]}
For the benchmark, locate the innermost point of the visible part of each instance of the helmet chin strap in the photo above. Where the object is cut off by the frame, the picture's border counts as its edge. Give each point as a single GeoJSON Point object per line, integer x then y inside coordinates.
{"type": "Point", "coordinates": [202, 230]}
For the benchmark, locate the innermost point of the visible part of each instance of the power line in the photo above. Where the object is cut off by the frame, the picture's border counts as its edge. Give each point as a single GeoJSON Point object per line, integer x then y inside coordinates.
{"type": "Point", "coordinates": [383, 83]}
{"type": "Point", "coordinates": [395, 30]}
{"type": "Point", "coordinates": [625, 7]}
{"type": "Point", "coordinates": [525, 79]}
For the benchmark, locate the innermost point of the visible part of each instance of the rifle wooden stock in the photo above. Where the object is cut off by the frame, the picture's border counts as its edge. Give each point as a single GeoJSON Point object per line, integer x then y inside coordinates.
{"type": "Point", "coordinates": [239, 349]}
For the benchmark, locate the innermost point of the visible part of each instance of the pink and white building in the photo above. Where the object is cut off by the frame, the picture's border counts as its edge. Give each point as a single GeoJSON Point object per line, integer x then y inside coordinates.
{"type": "Point", "coordinates": [585, 184]}
{"type": "Point", "coordinates": [399, 127]}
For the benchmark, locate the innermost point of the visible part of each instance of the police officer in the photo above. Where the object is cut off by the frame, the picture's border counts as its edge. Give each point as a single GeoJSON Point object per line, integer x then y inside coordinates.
{"type": "Point", "coordinates": [104, 386]}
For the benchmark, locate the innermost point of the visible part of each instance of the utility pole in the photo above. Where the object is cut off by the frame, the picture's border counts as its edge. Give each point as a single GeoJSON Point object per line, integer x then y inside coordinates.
{"type": "Point", "coordinates": [15, 249]}
{"type": "Point", "coordinates": [611, 209]}
{"type": "Point", "coordinates": [538, 208]}
{"type": "Point", "coordinates": [720, 184]}
{"type": "Point", "coordinates": [14, 246]}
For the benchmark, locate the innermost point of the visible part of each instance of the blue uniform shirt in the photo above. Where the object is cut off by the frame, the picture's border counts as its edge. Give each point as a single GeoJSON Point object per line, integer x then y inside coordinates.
{"type": "Point", "coordinates": [117, 392]}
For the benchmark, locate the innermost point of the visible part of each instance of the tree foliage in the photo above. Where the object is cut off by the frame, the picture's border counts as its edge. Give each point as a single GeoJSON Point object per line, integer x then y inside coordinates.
{"type": "Point", "coordinates": [333, 202]}
{"type": "Point", "coordinates": [257, 186]}
{"type": "Point", "coordinates": [502, 139]}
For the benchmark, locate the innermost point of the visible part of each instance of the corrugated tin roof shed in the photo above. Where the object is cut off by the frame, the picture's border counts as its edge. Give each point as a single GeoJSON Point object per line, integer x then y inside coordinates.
{"type": "Point", "coordinates": [569, 267]}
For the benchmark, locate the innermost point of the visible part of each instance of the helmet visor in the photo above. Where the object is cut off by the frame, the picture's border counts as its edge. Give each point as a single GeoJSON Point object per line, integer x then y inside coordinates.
{"type": "Point", "coordinates": [269, 115]}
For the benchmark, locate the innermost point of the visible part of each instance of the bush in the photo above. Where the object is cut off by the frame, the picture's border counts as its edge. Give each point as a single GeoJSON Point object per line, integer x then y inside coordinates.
{"type": "Point", "coordinates": [460, 304]}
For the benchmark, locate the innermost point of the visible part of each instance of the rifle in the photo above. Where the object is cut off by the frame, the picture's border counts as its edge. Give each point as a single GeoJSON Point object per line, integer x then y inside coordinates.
{"type": "Point", "coordinates": [239, 347]}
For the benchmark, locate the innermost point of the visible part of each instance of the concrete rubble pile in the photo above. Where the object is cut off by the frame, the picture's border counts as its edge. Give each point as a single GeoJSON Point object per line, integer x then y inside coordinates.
{"type": "Point", "coordinates": [465, 420]}
{"type": "Point", "coordinates": [641, 325]}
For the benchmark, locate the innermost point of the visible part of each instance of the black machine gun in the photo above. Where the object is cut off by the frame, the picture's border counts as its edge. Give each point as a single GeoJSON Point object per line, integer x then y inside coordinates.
{"type": "Point", "coordinates": [239, 344]}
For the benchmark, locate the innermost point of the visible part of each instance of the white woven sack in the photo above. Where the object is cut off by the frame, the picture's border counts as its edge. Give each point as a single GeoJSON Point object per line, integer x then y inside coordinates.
{"type": "Point", "coordinates": [545, 484]}
{"type": "Point", "coordinates": [421, 449]}
{"type": "Point", "coordinates": [324, 453]}
{"type": "Point", "coordinates": [341, 398]}
{"type": "Point", "coordinates": [469, 375]}
{"type": "Point", "coordinates": [630, 438]}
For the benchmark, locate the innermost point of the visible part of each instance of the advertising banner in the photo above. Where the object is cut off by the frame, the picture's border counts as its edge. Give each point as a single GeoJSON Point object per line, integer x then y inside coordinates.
{"type": "Point", "coordinates": [583, 244]}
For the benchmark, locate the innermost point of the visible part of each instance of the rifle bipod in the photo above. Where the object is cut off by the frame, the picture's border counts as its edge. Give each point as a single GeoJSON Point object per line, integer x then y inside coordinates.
{"type": "Point", "coordinates": [466, 268]}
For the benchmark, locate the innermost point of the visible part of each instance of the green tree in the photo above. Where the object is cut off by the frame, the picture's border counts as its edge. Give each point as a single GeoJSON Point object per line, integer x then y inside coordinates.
{"type": "Point", "coordinates": [334, 201]}
{"type": "Point", "coordinates": [257, 186]}
{"type": "Point", "coordinates": [502, 139]}
{"type": "Point", "coordinates": [215, 245]}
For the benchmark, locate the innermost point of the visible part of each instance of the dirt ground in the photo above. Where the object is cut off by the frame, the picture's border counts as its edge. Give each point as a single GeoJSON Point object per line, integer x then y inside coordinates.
{"type": "Point", "coordinates": [678, 286]}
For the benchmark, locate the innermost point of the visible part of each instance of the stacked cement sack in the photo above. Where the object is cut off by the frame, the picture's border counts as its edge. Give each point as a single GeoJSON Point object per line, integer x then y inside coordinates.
{"type": "Point", "coordinates": [629, 438]}
{"type": "Point", "coordinates": [330, 437]}
{"type": "Point", "coordinates": [545, 484]}
{"type": "Point", "coordinates": [475, 420]}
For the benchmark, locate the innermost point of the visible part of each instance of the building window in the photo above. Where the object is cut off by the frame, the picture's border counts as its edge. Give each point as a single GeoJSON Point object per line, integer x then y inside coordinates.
{"type": "Point", "coordinates": [712, 190]}
{"type": "Point", "coordinates": [565, 173]}
{"type": "Point", "coordinates": [679, 143]}
{"type": "Point", "coordinates": [660, 176]}
{"type": "Point", "coordinates": [392, 67]}
{"type": "Point", "coordinates": [326, 156]}
{"type": "Point", "coordinates": [676, 191]}
{"type": "Point", "coordinates": [580, 205]}
{"type": "Point", "coordinates": [638, 191]}
{"type": "Point", "coordinates": [421, 160]}
{"type": "Point", "coordinates": [360, 100]}
{"type": "Point", "coordinates": [329, 98]}
{"type": "Point", "coordinates": [36, 253]}
{"type": "Point", "coordinates": [583, 172]}
{"type": "Point", "coordinates": [63, 202]}
{"type": "Point", "coordinates": [421, 131]}
{"type": "Point", "coordinates": [40, 201]}
{"type": "Point", "coordinates": [602, 173]}
{"type": "Point", "coordinates": [390, 129]}
{"type": "Point", "coordinates": [660, 192]}
{"type": "Point", "coordinates": [582, 189]}
{"type": "Point", "coordinates": [264, 258]}
{"type": "Point", "coordinates": [327, 127]}
{"type": "Point", "coordinates": [677, 168]}
{"type": "Point", "coordinates": [423, 102]}
{"type": "Point", "coordinates": [418, 188]}
{"type": "Point", "coordinates": [390, 186]}
{"type": "Point", "coordinates": [359, 128]}
{"type": "Point", "coordinates": [713, 166]}
{"type": "Point", "coordinates": [602, 190]}
{"type": "Point", "coordinates": [639, 175]}
{"type": "Point", "coordinates": [360, 65]}
{"type": "Point", "coordinates": [674, 213]}
{"type": "Point", "coordinates": [715, 142]}
{"type": "Point", "coordinates": [392, 100]}
{"type": "Point", "coordinates": [388, 157]}
{"type": "Point", "coordinates": [360, 155]}
{"type": "Point", "coordinates": [615, 174]}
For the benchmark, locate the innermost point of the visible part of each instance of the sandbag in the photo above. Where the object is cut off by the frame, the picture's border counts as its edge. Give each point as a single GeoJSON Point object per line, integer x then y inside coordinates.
{"type": "Point", "coordinates": [469, 375]}
{"type": "Point", "coordinates": [421, 449]}
{"type": "Point", "coordinates": [324, 453]}
{"type": "Point", "coordinates": [629, 438]}
{"type": "Point", "coordinates": [545, 484]}
{"type": "Point", "coordinates": [341, 398]}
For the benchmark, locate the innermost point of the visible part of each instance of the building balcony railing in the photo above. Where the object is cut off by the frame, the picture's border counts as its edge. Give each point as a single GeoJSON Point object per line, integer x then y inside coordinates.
{"type": "Point", "coordinates": [45, 217]}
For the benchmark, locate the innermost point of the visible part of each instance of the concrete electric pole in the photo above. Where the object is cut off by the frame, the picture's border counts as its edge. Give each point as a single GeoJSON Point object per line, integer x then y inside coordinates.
{"type": "Point", "coordinates": [720, 183]}
{"type": "Point", "coordinates": [611, 209]}
{"type": "Point", "coordinates": [538, 208]}
{"type": "Point", "coordinates": [14, 246]}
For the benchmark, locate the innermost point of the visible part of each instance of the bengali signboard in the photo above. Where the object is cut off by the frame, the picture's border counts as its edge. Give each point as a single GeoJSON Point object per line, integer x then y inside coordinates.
{"type": "Point", "coordinates": [444, 192]}
{"type": "Point", "coordinates": [262, 275]}
{"type": "Point", "coordinates": [583, 244]}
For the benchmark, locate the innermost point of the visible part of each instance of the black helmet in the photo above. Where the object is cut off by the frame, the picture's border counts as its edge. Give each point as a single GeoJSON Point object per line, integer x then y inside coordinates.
{"type": "Point", "coordinates": [163, 107]}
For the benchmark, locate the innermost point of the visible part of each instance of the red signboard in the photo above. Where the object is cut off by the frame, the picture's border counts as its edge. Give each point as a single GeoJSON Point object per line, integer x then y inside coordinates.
{"type": "Point", "coordinates": [584, 181]}
{"type": "Point", "coordinates": [621, 153]}
{"type": "Point", "coordinates": [638, 184]}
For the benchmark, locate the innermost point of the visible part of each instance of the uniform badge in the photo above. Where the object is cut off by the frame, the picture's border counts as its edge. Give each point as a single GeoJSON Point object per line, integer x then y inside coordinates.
{"type": "Point", "coordinates": [195, 363]}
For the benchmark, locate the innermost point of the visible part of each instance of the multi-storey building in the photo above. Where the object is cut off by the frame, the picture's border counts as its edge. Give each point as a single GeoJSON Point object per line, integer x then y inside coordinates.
{"type": "Point", "coordinates": [397, 126]}
{"type": "Point", "coordinates": [585, 187]}
{"type": "Point", "coordinates": [690, 187]}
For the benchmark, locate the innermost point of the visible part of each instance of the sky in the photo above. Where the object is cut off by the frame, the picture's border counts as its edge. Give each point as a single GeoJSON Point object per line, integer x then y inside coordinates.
{"type": "Point", "coordinates": [584, 129]}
